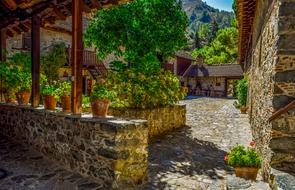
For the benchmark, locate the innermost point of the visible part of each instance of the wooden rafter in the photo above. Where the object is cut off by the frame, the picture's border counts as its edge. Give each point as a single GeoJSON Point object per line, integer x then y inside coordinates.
{"type": "Point", "coordinates": [13, 11]}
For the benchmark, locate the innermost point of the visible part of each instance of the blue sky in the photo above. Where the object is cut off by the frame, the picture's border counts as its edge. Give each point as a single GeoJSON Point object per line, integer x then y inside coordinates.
{"type": "Point", "coordinates": [220, 4]}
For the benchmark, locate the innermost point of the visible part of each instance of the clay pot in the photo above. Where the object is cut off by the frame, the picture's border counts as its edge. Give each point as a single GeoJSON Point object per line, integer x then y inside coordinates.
{"type": "Point", "coordinates": [246, 173]}
{"type": "Point", "coordinates": [23, 98]}
{"type": "Point", "coordinates": [8, 98]}
{"type": "Point", "coordinates": [50, 102]}
{"type": "Point", "coordinates": [66, 103]}
{"type": "Point", "coordinates": [243, 110]}
{"type": "Point", "coordinates": [100, 108]}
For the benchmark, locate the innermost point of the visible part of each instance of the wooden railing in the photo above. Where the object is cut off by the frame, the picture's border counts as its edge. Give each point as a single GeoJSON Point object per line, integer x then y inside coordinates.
{"type": "Point", "coordinates": [90, 62]}
{"type": "Point", "coordinates": [282, 111]}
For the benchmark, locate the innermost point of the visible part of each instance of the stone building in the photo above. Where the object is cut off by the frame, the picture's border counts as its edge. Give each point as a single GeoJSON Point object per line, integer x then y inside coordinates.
{"type": "Point", "coordinates": [205, 80]}
{"type": "Point", "coordinates": [267, 53]}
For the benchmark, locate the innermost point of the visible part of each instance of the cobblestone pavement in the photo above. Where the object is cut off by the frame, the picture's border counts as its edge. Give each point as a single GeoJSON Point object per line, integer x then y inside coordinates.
{"type": "Point", "coordinates": [25, 169]}
{"type": "Point", "coordinates": [192, 157]}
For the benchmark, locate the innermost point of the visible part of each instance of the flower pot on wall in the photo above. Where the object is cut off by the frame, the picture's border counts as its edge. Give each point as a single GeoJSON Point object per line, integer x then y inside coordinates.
{"type": "Point", "coordinates": [23, 98]}
{"type": "Point", "coordinates": [50, 102]}
{"type": "Point", "coordinates": [66, 103]}
{"type": "Point", "coordinates": [246, 173]}
{"type": "Point", "coordinates": [243, 110]}
{"type": "Point", "coordinates": [8, 98]}
{"type": "Point", "coordinates": [100, 108]}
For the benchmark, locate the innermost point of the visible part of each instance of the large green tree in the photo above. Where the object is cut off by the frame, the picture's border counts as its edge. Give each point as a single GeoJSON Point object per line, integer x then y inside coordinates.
{"type": "Point", "coordinates": [143, 32]}
{"type": "Point", "coordinates": [223, 49]}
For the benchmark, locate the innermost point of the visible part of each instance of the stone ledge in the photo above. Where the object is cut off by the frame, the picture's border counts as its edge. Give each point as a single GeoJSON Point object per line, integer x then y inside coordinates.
{"type": "Point", "coordinates": [112, 150]}
{"type": "Point", "coordinates": [282, 180]}
{"type": "Point", "coordinates": [160, 120]}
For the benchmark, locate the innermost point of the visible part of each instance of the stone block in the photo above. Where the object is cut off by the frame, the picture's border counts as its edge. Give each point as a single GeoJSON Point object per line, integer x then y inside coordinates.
{"type": "Point", "coordinates": [286, 76]}
{"type": "Point", "coordinates": [281, 101]}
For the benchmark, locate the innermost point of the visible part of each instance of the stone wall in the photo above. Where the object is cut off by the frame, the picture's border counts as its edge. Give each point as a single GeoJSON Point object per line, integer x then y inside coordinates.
{"type": "Point", "coordinates": [271, 83]}
{"type": "Point", "coordinates": [111, 150]}
{"type": "Point", "coordinates": [160, 120]}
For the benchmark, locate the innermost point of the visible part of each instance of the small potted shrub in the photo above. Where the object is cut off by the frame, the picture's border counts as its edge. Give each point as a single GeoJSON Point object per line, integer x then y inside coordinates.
{"type": "Point", "coordinates": [86, 104]}
{"type": "Point", "coordinates": [7, 82]}
{"type": "Point", "coordinates": [50, 94]}
{"type": "Point", "coordinates": [245, 160]}
{"type": "Point", "coordinates": [64, 92]}
{"type": "Point", "coordinates": [23, 88]}
{"type": "Point", "coordinates": [100, 99]}
{"type": "Point", "coordinates": [242, 95]}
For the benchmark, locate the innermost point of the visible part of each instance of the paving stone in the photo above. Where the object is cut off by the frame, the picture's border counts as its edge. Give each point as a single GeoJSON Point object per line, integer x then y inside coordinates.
{"type": "Point", "coordinates": [192, 157]}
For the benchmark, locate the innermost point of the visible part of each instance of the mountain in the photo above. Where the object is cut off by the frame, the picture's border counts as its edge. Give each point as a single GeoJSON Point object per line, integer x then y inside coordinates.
{"type": "Point", "coordinates": [199, 13]}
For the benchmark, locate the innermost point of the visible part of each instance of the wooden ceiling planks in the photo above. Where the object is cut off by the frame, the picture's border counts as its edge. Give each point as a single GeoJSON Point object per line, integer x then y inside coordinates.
{"type": "Point", "coordinates": [246, 13]}
{"type": "Point", "coordinates": [15, 15]}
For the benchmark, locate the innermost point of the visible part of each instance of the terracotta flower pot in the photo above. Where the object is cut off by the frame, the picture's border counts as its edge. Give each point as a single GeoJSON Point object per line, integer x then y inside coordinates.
{"type": "Point", "coordinates": [8, 98]}
{"type": "Point", "coordinates": [100, 108]}
{"type": "Point", "coordinates": [243, 110]}
{"type": "Point", "coordinates": [66, 103]}
{"type": "Point", "coordinates": [246, 173]}
{"type": "Point", "coordinates": [23, 98]}
{"type": "Point", "coordinates": [50, 102]}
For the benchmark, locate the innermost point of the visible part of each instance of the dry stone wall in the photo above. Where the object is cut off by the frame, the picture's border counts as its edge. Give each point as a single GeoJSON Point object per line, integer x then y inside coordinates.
{"type": "Point", "coordinates": [160, 120]}
{"type": "Point", "coordinates": [111, 150]}
{"type": "Point", "coordinates": [272, 83]}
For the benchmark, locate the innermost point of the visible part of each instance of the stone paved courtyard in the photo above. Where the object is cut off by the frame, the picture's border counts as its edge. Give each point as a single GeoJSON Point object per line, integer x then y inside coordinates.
{"type": "Point", "coordinates": [190, 158]}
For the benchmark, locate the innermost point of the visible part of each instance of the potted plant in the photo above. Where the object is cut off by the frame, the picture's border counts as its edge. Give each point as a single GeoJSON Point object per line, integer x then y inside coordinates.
{"type": "Point", "coordinates": [50, 94]}
{"type": "Point", "coordinates": [242, 95]}
{"type": "Point", "coordinates": [100, 99]}
{"type": "Point", "coordinates": [245, 160]}
{"type": "Point", "coordinates": [64, 92]}
{"type": "Point", "coordinates": [86, 104]}
{"type": "Point", "coordinates": [7, 82]}
{"type": "Point", "coordinates": [23, 87]}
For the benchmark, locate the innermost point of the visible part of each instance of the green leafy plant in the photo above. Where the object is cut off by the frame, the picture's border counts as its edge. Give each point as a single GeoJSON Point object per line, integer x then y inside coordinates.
{"type": "Point", "coordinates": [50, 89]}
{"type": "Point", "coordinates": [52, 61]}
{"type": "Point", "coordinates": [64, 88]}
{"type": "Point", "coordinates": [241, 156]}
{"type": "Point", "coordinates": [85, 101]}
{"type": "Point", "coordinates": [242, 92]}
{"type": "Point", "coordinates": [22, 80]}
{"type": "Point", "coordinates": [7, 79]}
{"type": "Point", "coordinates": [22, 61]}
{"type": "Point", "coordinates": [139, 30]}
{"type": "Point", "coordinates": [101, 92]}
{"type": "Point", "coordinates": [140, 90]}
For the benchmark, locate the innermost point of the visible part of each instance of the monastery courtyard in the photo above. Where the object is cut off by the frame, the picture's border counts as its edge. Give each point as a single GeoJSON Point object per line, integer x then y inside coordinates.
{"type": "Point", "coordinates": [190, 158]}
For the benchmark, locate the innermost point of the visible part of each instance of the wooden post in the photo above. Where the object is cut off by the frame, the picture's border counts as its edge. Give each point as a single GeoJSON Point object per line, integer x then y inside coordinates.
{"type": "Point", "coordinates": [76, 57]}
{"type": "Point", "coordinates": [35, 39]}
{"type": "Point", "coordinates": [2, 45]}
{"type": "Point", "coordinates": [225, 87]}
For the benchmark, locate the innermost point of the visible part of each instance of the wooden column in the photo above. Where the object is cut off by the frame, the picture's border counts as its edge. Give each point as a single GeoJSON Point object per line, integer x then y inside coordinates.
{"type": "Point", "coordinates": [35, 39]}
{"type": "Point", "coordinates": [2, 45]}
{"type": "Point", "coordinates": [225, 87]}
{"type": "Point", "coordinates": [77, 57]}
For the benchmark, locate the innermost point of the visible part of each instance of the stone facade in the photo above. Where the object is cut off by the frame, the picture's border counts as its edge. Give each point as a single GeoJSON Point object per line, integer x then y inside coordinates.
{"type": "Point", "coordinates": [272, 83]}
{"type": "Point", "coordinates": [160, 120]}
{"type": "Point", "coordinates": [112, 151]}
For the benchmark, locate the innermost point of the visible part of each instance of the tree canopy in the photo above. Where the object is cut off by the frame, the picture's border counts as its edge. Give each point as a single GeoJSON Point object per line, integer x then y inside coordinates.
{"type": "Point", "coordinates": [223, 49]}
{"type": "Point", "coordinates": [140, 32]}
